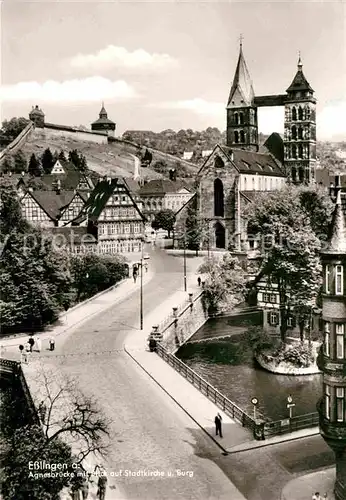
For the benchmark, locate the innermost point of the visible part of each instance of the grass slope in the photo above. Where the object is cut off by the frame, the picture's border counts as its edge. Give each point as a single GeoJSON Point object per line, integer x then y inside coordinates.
{"type": "Point", "coordinates": [106, 159]}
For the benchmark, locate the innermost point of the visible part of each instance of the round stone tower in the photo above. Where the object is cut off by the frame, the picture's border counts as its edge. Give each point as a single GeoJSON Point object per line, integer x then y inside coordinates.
{"type": "Point", "coordinates": [36, 115]}
{"type": "Point", "coordinates": [332, 357]}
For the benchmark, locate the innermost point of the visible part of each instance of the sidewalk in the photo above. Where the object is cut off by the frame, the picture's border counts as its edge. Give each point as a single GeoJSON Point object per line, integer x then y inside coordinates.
{"type": "Point", "coordinates": [76, 316]}
{"type": "Point", "coordinates": [302, 488]}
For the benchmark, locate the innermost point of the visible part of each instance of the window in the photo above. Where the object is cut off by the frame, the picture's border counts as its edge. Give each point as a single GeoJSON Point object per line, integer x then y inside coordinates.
{"type": "Point", "coordinates": [137, 227]}
{"type": "Point", "coordinates": [236, 137]}
{"type": "Point", "coordinates": [242, 136]}
{"type": "Point", "coordinates": [273, 298]}
{"type": "Point", "coordinates": [327, 400]}
{"type": "Point", "coordinates": [327, 278]}
{"type": "Point", "coordinates": [294, 151]}
{"type": "Point", "coordinates": [300, 151]}
{"type": "Point", "coordinates": [339, 286]}
{"type": "Point", "coordinates": [294, 132]}
{"type": "Point", "coordinates": [326, 345]}
{"type": "Point", "coordinates": [300, 133]}
{"type": "Point", "coordinates": [126, 228]}
{"type": "Point", "coordinates": [236, 118]}
{"type": "Point", "coordinates": [340, 341]}
{"type": "Point", "coordinates": [124, 198]}
{"type": "Point", "coordinates": [219, 162]}
{"type": "Point", "coordinates": [274, 320]}
{"type": "Point", "coordinates": [245, 181]}
{"type": "Point", "coordinates": [300, 113]}
{"type": "Point", "coordinates": [340, 404]}
{"type": "Point", "coordinates": [241, 118]}
{"type": "Point", "coordinates": [218, 198]}
{"type": "Point", "coordinates": [294, 114]}
{"type": "Point", "coordinates": [266, 297]}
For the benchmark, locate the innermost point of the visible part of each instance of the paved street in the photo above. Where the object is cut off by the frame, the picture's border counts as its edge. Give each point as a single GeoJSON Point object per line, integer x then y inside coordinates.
{"type": "Point", "coordinates": [149, 431]}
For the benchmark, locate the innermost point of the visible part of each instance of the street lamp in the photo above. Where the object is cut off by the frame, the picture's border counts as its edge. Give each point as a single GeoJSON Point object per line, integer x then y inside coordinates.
{"type": "Point", "coordinates": [185, 284]}
{"type": "Point", "coordinates": [141, 291]}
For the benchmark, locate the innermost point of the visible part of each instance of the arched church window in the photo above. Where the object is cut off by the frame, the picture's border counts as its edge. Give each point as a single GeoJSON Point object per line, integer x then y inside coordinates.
{"type": "Point", "coordinates": [294, 114]}
{"type": "Point", "coordinates": [301, 174]}
{"type": "Point", "coordinates": [241, 118]}
{"type": "Point", "coordinates": [236, 137]}
{"type": "Point", "coordinates": [236, 118]}
{"type": "Point", "coordinates": [294, 174]}
{"type": "Point", "coordinates": [300, 133]}
{"type": "Point", "coordinates": [307, 112]}
{"type": "Point", "coordinates": [300, 151]}
{"type": "Point", "coordinates": [219, 162]}
{"type": "Point", "coordinates": [300, 113]}
{"type": "Point", "coordinates": [218, 198]}
{"type": "Point", "coordinates": [242, 136]}
{"type": "Point", "coordinates": [294, 132]}
{"type": "Point", "coordinates": [294, 151]}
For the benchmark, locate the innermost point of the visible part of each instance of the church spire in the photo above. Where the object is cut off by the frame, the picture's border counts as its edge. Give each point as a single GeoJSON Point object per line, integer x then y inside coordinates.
{"type": "Point", "coordinates": [300, 64]}
{"type": "Point", "coordinates": [242, 92]}
{"type": "Point", "coordinates": [103, 112]}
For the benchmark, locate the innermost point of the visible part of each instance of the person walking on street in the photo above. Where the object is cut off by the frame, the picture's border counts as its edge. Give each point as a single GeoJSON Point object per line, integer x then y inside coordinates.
{"type": "Point", "coordinates": [218, 425]}
{"type": "Point", "coordinates": [199, 281]}
{"type": "Point", "coordinates": [101, 485]}
{"type": "Point", "coordinates": [52, 344]}
{"type": "Point", "coordinates": [316, 496]}
{"type": "Point", "coordinates": [31, 342]}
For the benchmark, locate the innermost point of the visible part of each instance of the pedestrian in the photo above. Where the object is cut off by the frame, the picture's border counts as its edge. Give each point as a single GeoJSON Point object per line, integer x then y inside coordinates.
{"type": "Point", "coordinates": [146, 267]}
{"type": "Point", "coordinates": [28, 347]}
{"type": "Point", "coordinates": [101, 485]}
{"type": "Point", "coordinates": [325, 496]}
{"type": "Point", "coordinates": [316, 496]}
{"type": "Point", "coordinates": [85, 488]}
{"type": "Point", "coordinates": [31, 342]}
{"type": "Point", "coordinates": [218, 425]}
{"type": "Point", "coordinates": [199, 281]}
{"type": "Point", "coordinates": [38, 344]}
{"type": "Point", "coordinates": [52, 344]}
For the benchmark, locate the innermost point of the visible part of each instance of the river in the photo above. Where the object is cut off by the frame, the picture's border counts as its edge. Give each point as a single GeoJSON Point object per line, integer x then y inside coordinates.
{"type": "Point", "coordinates": [229, 366]}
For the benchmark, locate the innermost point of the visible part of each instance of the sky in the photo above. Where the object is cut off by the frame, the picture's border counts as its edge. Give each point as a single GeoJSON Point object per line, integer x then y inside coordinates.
{"type": "Point", "coordinates": [168, 64]}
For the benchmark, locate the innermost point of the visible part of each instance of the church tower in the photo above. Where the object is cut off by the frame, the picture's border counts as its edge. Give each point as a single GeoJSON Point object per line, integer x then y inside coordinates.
{"type": "Point", "coordinates": [300, 130]}
{"type": "Point", "coordinates": [332, 357]}
{"type": "Point", "coordinates": [242, 129]}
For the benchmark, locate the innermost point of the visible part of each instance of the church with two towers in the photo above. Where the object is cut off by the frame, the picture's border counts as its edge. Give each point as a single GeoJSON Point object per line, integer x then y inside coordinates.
{"type": "Point", "coordinates": [232, 175]}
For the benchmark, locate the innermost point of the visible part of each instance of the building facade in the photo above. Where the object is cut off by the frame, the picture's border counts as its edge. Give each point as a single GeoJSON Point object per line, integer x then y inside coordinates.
{"type": "Point", "coordinates": [332, 357]}
{"type": "Point", "coordinates": [113, 216]}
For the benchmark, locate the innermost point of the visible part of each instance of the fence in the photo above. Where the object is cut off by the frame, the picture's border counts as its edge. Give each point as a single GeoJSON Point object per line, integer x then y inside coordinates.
{"type": "Point", "coordinates": [285, 426]}
{"type": "Point", "coordinates": [228, 407]}
{"type": "Point", "coordinates": [260, 428]}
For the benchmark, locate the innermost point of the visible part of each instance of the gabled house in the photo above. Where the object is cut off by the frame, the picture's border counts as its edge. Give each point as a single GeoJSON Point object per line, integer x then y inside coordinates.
{"type": "Point", "coordinates": [163, 194]}
{"type": "Point", "coordinates": [51, 208]}
{"type": "Point", "coordinates": [113, 216]}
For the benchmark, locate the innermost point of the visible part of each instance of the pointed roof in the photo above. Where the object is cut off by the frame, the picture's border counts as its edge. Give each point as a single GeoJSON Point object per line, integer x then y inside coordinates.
{"type": "Point", "coordinates": [337, 237]}
{"type": "Point", "coordinates": [103, 117]}
{"type": "Point", "coordinates": [103, 112]}
{"type": "Point", "coordinates": [299, 82]}
{"type": "Point", "coordinates": [242, 89]}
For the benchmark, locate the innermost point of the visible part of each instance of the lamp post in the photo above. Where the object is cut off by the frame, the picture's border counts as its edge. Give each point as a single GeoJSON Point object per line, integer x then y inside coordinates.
{"type": "Point", "coordinates": [185, 284]}
{"type": "Point", "coordinates": [141, 291]}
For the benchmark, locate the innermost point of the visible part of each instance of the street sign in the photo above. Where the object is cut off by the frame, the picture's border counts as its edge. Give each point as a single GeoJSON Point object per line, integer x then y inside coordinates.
{"type": "Point", "coordinates": [254, 401]}
{"type": "Point", "coordinates": [289, 399]}
{"type": "Point", "coordinates": [290, 405]}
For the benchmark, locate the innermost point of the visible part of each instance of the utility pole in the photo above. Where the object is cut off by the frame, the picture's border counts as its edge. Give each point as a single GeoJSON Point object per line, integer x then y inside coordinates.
{"type": "Point", "coordinates": [141, 291]}
{"type": "Point", "coordinates": [185, 284]}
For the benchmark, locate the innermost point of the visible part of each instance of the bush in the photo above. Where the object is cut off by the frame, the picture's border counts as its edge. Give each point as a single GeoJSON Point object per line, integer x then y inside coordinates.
{"type": "Point", "coordinates": [297, 354]}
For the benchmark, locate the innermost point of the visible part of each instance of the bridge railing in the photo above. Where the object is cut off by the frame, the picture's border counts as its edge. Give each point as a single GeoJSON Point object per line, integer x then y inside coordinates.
{"type": "Point", "coordinates": [225, 404]}
{"type": "Point", "coordinates": [285, 426]}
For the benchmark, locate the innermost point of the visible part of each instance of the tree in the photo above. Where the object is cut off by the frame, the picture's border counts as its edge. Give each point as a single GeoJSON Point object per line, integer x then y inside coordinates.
{"type": "Point", "coordinates": [35, 278]}
{"type": "Point", "coordinates": [11, 129]}
{"type": "Point", "coordinates": [160, 166]}
{"type": "Point", "coordinates": [66, 412]}
{"type": "Point", "coordinates": [195, 229]}
{"type": "Point", "coordinates": [62, 156]}
{"type": "Point", "coordinates": [225, 283]}
{"type": "Point", "coordinates": [20, 163]}
{"type": "Point", "coordinates": [78, 160]}
{"type": "Point", "coordinates": [7, 165]}
{"type": "Point", "coordinates": [34, 168]}
{"type": "Point", "coordinates": [291, 224]}
{"type": "Point", "coordinates": [47, 161]}
{"type": "Point", "coordinates": [164, 220]}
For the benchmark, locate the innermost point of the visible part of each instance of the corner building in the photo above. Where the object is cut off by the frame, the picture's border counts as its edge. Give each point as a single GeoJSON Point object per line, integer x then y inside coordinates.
{"type": "Point", "coordinates": [332, 358]}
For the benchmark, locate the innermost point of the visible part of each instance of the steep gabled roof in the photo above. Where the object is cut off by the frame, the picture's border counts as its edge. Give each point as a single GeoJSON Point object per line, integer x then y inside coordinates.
{"type": "Point", "coordinates": [299, 82]}
{"type": "Point", "coordinates": [250, 162]}
{"type": "Point", "coordinates": [242, 89]}
{"type": "Point", "coordinates": [336, 244]}
{"type": "Point", "coordinates": [51, 202]}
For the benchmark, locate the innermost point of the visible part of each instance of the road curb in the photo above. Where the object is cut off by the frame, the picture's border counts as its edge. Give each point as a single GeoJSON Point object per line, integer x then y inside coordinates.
{"type": "Point", "coordinates": [264, 444]}
{"type": "Point", "coordinates": [224, 451]}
